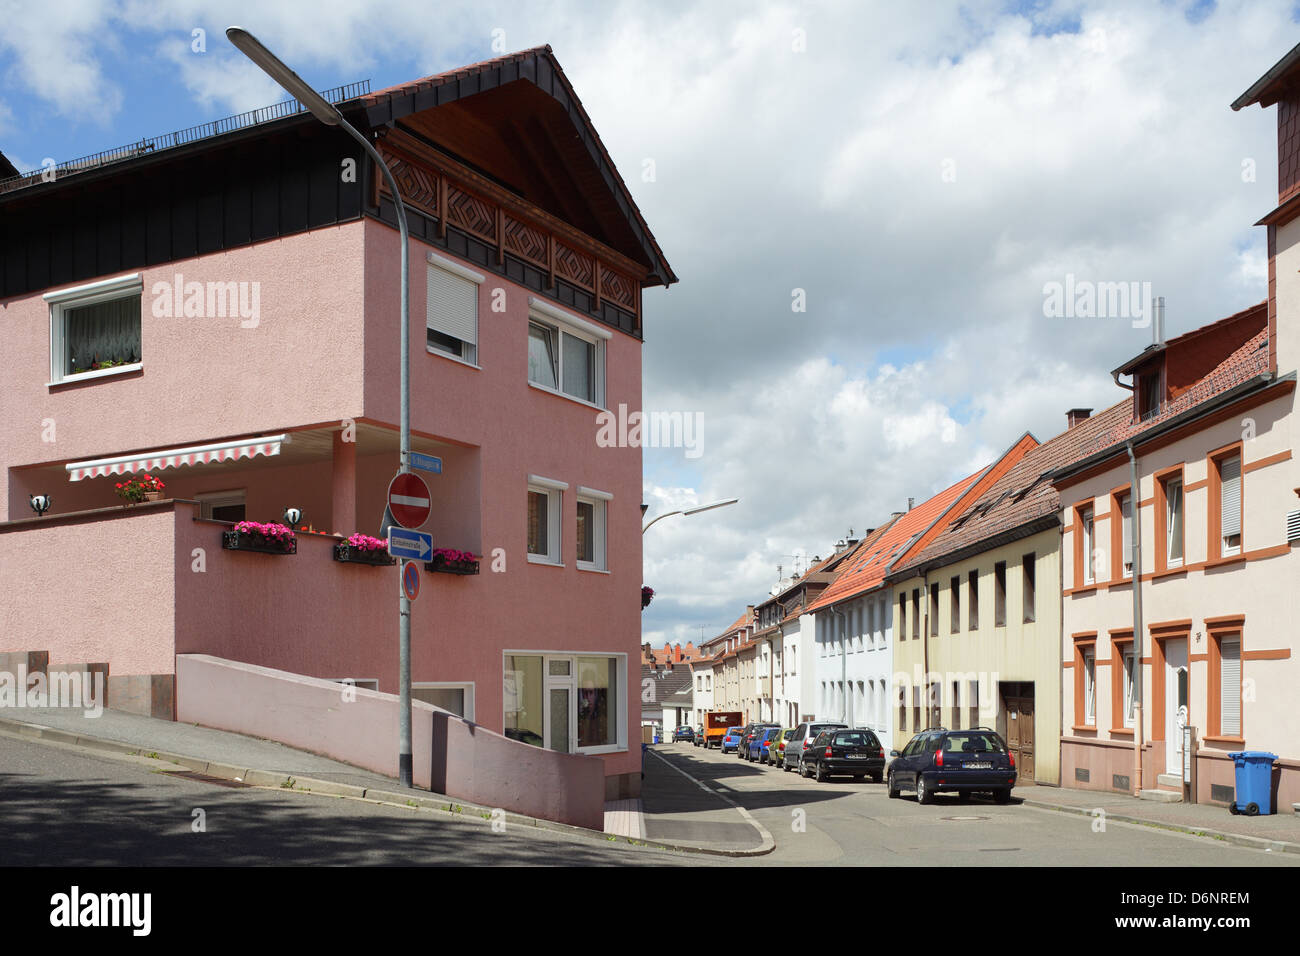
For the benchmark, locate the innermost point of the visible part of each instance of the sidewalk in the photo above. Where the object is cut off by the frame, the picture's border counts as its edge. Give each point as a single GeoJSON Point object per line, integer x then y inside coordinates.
{"type": "Point", "coordinates": [679, 811]}
{"type": "Point", "coordinates": [1278, 831]}
{"type": "Point", "coordinates": [674, 811]}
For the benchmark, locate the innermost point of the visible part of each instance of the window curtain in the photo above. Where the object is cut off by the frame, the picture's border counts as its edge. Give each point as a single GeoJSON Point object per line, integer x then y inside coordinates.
{"type": "Point", "coordinates": [103, 332]}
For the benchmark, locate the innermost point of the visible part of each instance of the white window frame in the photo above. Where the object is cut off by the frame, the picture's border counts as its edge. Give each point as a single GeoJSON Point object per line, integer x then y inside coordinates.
{"type": "Point", "coordinates": [554, 491]}
{"type": "Point", "coordinates": [219, 499]}
{"type": "Point", "coordinates": [459, 271]}
{"type": "Point", "coordinates": [1130, 675]}
{"type": "Point", "coordinates": [571, 682]}
{"type": "Point", "coordinates": [561, 323]}
{"type": "Point", "coordinates": [599, 500]}
{"type": "Point", "coordinates": [1227, 550]}
{"type": "Point", "coordinates": [105, 290]}
{"type": "Point", "coordinates": [1087, 522]}
{"type": "Point", "coordinates": [466, 686]}
{"type": "Point", "coordinates": [1170, 561]}
{"type": "Point", "coordinates": [1126, 532]}
{"type": "Point", "coordinates": [1090, 687]}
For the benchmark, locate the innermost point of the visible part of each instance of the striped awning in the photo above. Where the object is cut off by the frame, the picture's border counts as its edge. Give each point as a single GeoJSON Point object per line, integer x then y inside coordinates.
{"type": "Point", "coordinates": [175, 457]}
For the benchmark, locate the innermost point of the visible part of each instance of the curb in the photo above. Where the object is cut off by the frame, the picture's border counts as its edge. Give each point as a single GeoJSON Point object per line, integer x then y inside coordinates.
{"type": "Point", "coordinates": [274, 780]}
{"type": "Point", "coordinates": [768, 842]}
{"type": "Point", "coordinates": [1237, 839]}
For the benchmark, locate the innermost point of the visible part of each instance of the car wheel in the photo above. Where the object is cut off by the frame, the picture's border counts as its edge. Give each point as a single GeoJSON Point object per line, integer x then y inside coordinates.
{"type": "Point", "coordinates": [821, 772]}
{"type": "Point", "coordinates": [1001, 796]}
{"type": "Point", "coordinates": [924, 795]}
{"type": "Point", "coordinates": [893, 791]}
{"type": "Point", "coordinates": [803, 767]}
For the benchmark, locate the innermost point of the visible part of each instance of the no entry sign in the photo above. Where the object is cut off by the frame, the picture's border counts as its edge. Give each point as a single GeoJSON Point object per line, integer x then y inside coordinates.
{"type": "Point", "coordinates": [408, 500]}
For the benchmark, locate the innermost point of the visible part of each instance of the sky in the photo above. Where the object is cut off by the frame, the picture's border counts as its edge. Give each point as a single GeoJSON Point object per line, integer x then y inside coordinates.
{"type": "Point", "coordinates": [865, 203]}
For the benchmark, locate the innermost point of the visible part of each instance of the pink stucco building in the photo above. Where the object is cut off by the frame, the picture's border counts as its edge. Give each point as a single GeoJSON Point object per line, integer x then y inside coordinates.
{"type": "Point", "coordinates": [244, 288]}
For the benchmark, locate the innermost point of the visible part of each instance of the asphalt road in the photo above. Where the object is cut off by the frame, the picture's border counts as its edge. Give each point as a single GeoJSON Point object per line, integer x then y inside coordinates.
{"type": "Point", "coordinates": [845, 823]}
{"type": "Point", "coordinates": [65, 806]}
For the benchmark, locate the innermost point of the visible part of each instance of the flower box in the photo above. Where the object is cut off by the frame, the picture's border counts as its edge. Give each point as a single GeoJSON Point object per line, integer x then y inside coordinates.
{"type": "Point", "coordinates": [267, 539]}
{"type": "Point", "coordinates": [350, 554]}
{"type": "Point", "coordinates": [449, 561]}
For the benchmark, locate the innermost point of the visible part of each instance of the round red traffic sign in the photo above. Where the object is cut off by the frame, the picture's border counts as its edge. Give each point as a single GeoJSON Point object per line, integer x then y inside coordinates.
{"type": "Point", "coordinates": [408, 500]}
{"type": "Point", "coordinates": [411, 580]}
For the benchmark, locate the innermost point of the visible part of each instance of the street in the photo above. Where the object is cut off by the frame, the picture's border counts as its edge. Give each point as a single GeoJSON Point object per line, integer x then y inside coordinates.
{"type": "Point", "coordinates": [844, 823]}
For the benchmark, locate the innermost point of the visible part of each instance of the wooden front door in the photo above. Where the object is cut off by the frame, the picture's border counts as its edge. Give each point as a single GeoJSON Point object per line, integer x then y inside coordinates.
{"type": "Point", "coordinates": [1020, 733]}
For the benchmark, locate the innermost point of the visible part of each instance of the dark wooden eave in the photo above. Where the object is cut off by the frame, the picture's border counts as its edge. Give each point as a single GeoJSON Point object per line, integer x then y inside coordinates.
{"type": "Point", "coordinates": [1274, 84]}
{"type": "Point", "coordinates": [527, 130]}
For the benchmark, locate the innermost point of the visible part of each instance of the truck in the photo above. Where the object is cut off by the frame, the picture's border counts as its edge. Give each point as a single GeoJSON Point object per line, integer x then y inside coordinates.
{"type": "Point", "coordinates": [716, 723]}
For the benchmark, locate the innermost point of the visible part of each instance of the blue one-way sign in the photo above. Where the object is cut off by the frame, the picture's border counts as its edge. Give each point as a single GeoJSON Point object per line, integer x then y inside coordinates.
{"type": "Point", "coordinates": [404, 543]}
{"type": "Point", "coordinates": [425, 462]}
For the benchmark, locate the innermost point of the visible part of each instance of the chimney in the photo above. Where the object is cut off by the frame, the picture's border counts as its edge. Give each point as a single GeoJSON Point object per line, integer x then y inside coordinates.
{"type": "Point", "coordinates": [1158, 320]}
{"type": "Point", "coordinates": [911, 502]}
{"type": "Point", "coordinates": [1076, 415]}
{"type": "Point", "coordinates": [896, 515]}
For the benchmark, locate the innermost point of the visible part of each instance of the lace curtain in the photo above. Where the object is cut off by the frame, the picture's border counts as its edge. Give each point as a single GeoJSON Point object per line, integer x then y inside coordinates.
{"type": "Point", "coordinates": [103, 332]}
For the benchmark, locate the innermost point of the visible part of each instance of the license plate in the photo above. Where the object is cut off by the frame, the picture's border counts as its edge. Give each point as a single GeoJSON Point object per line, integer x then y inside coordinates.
{"type": "Point", "coordinates": [978, 765]}
{"type": "Point", "coordinates": [856, 756]}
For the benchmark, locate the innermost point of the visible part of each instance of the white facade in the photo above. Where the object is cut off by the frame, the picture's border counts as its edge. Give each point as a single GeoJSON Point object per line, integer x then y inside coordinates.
{"type": "Point", "coordinates": [702, 691]}
{"type": "Point", "coordinates": [852, 677]}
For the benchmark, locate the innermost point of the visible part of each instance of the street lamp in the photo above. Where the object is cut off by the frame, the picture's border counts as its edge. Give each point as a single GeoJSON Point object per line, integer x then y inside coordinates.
{"type": "Point", "coordinates": [692, 511]}
{"type": "Point", "coordinates": [324, 111]}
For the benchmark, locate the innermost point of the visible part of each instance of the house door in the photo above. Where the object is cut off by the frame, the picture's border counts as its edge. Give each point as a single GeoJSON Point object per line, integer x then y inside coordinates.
{"type": "Point", "coordinates": [1020, 730]}
{"type": "Point", "coordinates": [561, 705]}
{"type": "Point", "coordinates": [1176, 703]}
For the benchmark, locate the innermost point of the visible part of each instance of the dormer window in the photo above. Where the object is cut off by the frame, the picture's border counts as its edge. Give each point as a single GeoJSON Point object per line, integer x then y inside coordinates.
{"type": "Point", "coordinates": [1149, 394]}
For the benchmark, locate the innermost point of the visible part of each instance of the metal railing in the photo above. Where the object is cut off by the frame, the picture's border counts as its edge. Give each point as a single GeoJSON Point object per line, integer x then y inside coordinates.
{"type": "Point", "coordinates": [154, 144]}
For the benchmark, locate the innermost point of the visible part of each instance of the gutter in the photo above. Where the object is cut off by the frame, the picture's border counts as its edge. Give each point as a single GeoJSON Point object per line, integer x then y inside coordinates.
{"type": "Point", "coordinates": [1136, 547]}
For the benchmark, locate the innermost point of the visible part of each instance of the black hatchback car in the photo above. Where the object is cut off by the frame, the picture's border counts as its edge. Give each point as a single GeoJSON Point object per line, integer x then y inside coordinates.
{"type": "Point", "coordinates": [954, 761]}
{"type": "Point", "coordinates": [844, 753]}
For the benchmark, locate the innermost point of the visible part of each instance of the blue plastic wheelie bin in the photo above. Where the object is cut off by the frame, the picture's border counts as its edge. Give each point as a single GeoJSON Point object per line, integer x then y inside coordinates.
{"type": "Point", "coordinates": [1254, 792]}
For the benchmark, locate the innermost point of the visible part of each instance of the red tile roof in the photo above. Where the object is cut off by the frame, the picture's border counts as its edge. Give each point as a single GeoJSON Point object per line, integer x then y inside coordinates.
{"type": "Point", "coordinates": [1024, 494]}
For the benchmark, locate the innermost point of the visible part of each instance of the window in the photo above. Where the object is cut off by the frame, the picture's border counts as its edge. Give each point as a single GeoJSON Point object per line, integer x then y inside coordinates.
{"type": "Point", "coordinates": [590, 532]}
{"type": "Point", "coordinates": [1230, 505]}
{"type": "Point", "coordinates": [1090, 686]}
{"type": "Point", "coordinates": [916, 614]}
{"type": "Point", "coordinates": [1085, 523]}
{"type": "Point", "coordinates": [902, 708]}
{"type": "Point", "coordinates": [902, 617]}
{"type": "Point", "coordinates": [458, 698]}
{"type": "Point", "coordinates": [95, 328]}
{"type": "Point", "coordinates": [1150, 394]}
{"type": "Point", "coordinates": [1029, 596]}
{"type": "Point", "coordinates": [565, 354]}
{"type": "Point", "coordinates": [954, 604]}
{"type": "Point", "coordinates": [956, 708]}
{"type": "Point", "coordinates": [973, 703]}
{"type": "Point", "coordinates": [934, 609]}
{"type": "Point", "coordinates": [544, 498]}
{"type": "Point", "coordinates": [451, 323]}
{"type": "Point", "coordinates": [1230, 686]}
{"type": "Point", "coordinates": [1123, 528]}
{"type": "Point", "coordinates": [1000, 594]}
{"type": "Point", "coordinates": [1174, 523]}
{"type": "Point", "coordinates": [222, 505]}
{"type": "Point", "coordinates": [916, 707]}
{"type": "Point", "coordinates": [571, 704]}
{"type": "Point", "coordinates": [1130, 676]}
{"type": "Point", "coordinates": [973, 599]}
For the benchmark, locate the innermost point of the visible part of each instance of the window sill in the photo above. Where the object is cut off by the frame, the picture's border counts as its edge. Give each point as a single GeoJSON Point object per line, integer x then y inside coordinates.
{"type": "Point", "coordinates": [1084, 728]}
{"type": "Point", "coordinates": [98, 373]}
{"type": "Point", "coordinates": [565, 395]}
{"type": "Point", "coordinates": [603, 749]}
{"type": "Point", "coordinates": [1121, 731]}
{"type": "Point", "coordinates": [591, 568]}
{"type": "Point", "coordinates": [1169, 572]}
{"type": "Point", "coordinates": [544, 561]}
{"type": "Point", "coordinates": [1234, 741]}
{"type": "Point", "coordinates": [1225, 561]}
{"type": "Point", "coordinates": [452, 358]}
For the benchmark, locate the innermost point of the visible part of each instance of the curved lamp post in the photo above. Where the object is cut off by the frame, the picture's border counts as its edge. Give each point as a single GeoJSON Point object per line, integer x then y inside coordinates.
{"type": "Point", "coordinates": [328, 114]}
{"type": "Point", "coordinates": [692, 511]}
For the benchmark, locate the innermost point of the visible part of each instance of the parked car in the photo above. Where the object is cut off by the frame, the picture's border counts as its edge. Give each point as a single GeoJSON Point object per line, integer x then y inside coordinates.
{"type": "Point", "coordinates": [804, 735]}
{"type": "Point", "coordinates": [700, 739]}
{"type": "Point", "coordinates": [731, 740]}
{"type": "Point", "coordinates": [744, 740]}
{"type": "Point", "coordinates": [683, 733]}
{"type": "Point", "coordinates": [759, 743]}
{"type": "Point", "coordinates": [844, 753]}
{"type": "Point", "coordinates": [752, 732]}
{"type": "Point", "coordinates": [960, 761]}
{"type": "Point", "coordinates": [777, 750]}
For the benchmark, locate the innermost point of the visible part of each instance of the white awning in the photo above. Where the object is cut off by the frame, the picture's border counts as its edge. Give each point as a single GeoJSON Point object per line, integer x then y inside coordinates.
{"type": "Point", "coordinates": [175, 457]}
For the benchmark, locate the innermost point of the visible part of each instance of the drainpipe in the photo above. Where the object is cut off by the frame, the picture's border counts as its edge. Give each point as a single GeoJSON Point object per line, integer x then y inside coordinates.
{"type": "Point", "coordinates": [1136, 537]}
{"type": "Point", "coordinates": [925, 646]}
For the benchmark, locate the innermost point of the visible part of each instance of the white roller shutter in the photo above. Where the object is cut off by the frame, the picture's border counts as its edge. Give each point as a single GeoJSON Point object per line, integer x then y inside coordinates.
{"type": "Point", "coordinates": [1230, 476]}
{"type": "Point", "coordinates": [452, 305]}
{"type": "Point", "coordinates": [1126, 518]}
{"type": "Point", "coordinates": [1230, 688]}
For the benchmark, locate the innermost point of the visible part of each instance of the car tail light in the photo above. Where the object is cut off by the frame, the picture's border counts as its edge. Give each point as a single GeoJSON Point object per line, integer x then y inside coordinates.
{"type": "Point", "coordinates": [1012, 758]}
{"type": "Point", "coordinates": [828, 751]}
{"type": "Point", "coordinates": [938, 758]}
